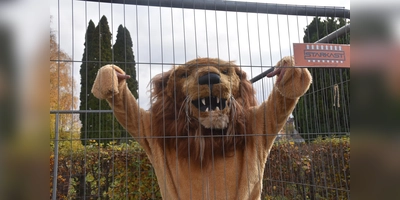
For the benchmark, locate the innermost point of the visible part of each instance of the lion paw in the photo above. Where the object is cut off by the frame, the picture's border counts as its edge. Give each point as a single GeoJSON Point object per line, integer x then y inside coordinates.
{"type": "Point", "coordinates": [106, 83]}
{"type": "Point", "coordinates": [295, 81]}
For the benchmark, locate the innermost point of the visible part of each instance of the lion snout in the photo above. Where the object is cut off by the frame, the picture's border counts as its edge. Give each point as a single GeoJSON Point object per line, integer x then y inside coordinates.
{"type": "Point", "coordinates": [209, 79]}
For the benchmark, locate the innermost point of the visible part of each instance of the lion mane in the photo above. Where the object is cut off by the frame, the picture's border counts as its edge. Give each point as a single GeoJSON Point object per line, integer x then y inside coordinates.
{"type": "Point", "coordinates": [180, 123]}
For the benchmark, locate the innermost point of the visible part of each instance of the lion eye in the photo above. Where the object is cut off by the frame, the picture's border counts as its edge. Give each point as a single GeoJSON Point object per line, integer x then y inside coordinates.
{"type": "Point", "coordinates": [225, 71]}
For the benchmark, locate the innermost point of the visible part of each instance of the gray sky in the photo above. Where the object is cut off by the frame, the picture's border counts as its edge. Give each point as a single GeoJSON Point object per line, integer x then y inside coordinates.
{"type": "Point", "coordinates": [165, 35]}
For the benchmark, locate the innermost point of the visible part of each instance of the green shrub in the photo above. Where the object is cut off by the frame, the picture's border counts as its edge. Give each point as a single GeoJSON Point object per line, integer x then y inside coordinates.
{"type": "Point", "coordinates": [318, 170]}
{"type": "Point", "coordinates": [105, 172]}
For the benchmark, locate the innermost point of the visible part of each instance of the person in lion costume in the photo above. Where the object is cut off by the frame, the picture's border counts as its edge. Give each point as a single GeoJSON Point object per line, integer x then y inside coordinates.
{"type": "Point", "coordinates": [204, 134]}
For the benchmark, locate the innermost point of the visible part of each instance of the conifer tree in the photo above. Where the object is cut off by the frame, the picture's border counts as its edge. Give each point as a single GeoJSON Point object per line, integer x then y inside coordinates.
{"type": "Point", "coordinates": [102, 43]}
{"type": "Point", "coordinates": [87, 67]}
{"type": "Point", "coordinates": [96, 126]}
{"type": "Point", "coordinates": [318, 112]}
{"type": "Point", "coordinates": [124, 58]}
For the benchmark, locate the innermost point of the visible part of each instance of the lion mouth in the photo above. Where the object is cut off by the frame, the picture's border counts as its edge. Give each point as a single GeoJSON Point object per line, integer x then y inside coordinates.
{"type": "Point", "coordinates": [207, 104]}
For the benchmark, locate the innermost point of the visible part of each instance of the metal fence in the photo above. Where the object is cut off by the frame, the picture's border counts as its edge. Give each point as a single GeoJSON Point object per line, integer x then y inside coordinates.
{"type": "Point", "coordinates": [257, 35]}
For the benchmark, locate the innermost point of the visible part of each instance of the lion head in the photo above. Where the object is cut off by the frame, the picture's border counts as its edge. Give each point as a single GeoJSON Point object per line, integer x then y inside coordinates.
{"type": "Point", "coordinates": [198, 109]}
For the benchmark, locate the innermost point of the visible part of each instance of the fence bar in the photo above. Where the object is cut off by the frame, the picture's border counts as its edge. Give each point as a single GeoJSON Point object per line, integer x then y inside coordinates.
{"type": "Point", "coordinates": [78, 111]}
{"type": "Point", "coordinates": [55, 166]}
{"type": "Point", "coordinates": [262, 75]}
{"type": "Point", "coordinates": [239, 6]}
{"type": "Point", "coordinates": [335, 34]}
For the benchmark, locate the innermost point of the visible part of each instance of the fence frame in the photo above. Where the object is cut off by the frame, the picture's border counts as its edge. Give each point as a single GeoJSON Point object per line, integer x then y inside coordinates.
{"type": "Point", "coordinates": [241, 6]}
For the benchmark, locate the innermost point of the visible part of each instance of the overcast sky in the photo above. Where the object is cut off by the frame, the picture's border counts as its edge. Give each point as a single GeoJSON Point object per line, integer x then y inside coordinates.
{"type": "Point", "coordinates": [165, 35]}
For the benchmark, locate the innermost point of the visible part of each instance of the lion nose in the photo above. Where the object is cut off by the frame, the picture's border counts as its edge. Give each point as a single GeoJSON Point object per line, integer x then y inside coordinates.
{"type": "Point", "coordinates": [209, 79]}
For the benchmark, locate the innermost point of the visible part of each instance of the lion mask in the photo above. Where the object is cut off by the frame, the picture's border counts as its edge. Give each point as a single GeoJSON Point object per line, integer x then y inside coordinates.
{"type": "Point", "coordinates": [197, 108]}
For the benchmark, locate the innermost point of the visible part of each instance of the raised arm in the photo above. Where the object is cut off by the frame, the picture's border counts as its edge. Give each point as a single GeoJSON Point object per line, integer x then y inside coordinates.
{"type": "Point", "coordinates": [110, 84]}
{"type": "Point", "coordinates": [291, 84]}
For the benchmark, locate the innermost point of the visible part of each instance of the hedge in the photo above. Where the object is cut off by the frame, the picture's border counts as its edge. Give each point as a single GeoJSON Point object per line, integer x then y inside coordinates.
{"type": "Point", "coordinates": [317, 170]}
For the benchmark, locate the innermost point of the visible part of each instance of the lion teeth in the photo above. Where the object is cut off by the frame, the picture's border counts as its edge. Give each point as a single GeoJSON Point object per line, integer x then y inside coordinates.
{"type": "Point", "coordinates": [217, 99]}
{"type": "Point", "coordinates": [207, 109]}
{"type": "Point", "coordinates": [217, 108]}
{"type": "Point", "coordinates": [203, 101]}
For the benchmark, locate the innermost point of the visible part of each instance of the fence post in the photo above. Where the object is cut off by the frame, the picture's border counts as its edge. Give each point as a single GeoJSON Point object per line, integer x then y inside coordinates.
{"type": "Point", "coordinates": [55, 166]}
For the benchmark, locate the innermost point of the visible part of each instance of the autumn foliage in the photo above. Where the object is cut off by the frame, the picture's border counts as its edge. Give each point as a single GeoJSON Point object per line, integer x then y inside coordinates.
{"type": "Point", "coordinates": [318, 170]}
{"type": "Point", "coordinates": [62, 92]}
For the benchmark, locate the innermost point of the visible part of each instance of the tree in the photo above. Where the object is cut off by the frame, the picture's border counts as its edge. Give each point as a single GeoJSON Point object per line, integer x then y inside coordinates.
{"type": "Point", "coordinates": [124, 58]}
{"type": "Point", "coordinates": [87, 68]}
{"type": "Point", "coordinates": [318, 111]}
{"type": "Point", "coordinates": [318, 29]}
{"type": "Point", "coordinates": [61, 93]}
{"type": "Point", "coordinates": [95, 126]}
{"type": "Point", "coordinates": [101, 127]}
{"type": "Point", "coordinates": [102, 43]}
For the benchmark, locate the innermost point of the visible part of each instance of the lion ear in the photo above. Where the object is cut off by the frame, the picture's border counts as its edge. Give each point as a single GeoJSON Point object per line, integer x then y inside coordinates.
{"type": "Point", "coordinates": [159, 82]}
{"type": "Point", "coordinates": [247, 92]}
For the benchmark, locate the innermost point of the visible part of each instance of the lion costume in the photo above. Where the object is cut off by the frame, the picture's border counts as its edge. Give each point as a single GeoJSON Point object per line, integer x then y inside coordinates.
{"type": "Point", "coordinates": [204, 134]}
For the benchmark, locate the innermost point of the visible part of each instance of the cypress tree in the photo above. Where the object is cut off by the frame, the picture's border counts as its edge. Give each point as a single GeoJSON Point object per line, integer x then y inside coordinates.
{"type": "Point", "coordinates": [317, 112]}
{"type": "Point", "coordinates": [87, 68]}
{"type": "Point", "coordinates": [102, 43]}
{"type": "Point", "coordinates": [96, 126]}
{"type": "Point", "coordinates": [124, 58]}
